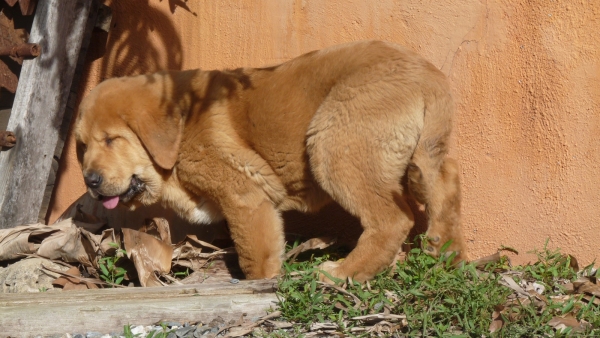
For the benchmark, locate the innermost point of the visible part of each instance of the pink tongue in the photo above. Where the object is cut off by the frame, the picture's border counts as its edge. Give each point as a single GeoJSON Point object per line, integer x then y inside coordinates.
{"type": "Point", "coordinates": [110, 202]}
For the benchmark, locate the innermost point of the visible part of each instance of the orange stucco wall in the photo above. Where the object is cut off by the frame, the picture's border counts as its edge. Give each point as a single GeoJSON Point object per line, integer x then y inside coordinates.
{"type": "Point", "coordinates": [525, 73]}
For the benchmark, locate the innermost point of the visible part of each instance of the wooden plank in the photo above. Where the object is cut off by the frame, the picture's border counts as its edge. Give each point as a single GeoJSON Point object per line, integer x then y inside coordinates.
{"type": "Point", "coordinates": [69, 110]}
{"type": "Point", "coordinates": [37, 114]}
{"type": "Point", "coordinates": [107, 310]}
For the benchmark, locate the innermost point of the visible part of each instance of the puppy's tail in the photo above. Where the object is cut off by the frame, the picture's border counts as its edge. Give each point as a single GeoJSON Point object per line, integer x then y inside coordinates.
{"type": "Point", "coordinates": [432, 147]}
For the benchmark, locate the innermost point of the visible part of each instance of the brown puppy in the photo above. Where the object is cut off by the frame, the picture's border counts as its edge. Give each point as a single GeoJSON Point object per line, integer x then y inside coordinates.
{"type": "Point", "coordinates": [344, 124]}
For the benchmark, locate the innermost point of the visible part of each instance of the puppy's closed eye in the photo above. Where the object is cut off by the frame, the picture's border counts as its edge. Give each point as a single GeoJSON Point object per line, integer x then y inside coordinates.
{"type": "Point", "coordinates": [109, 140]}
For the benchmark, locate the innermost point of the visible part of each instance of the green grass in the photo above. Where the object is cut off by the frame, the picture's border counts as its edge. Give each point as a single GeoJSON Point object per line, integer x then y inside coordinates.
{"type": "Point", "coordinates": [439, 299]}
{"type": "Point", "coordinates": [110, 272]}
{"type": "Point", "coordinates": [154, 334]}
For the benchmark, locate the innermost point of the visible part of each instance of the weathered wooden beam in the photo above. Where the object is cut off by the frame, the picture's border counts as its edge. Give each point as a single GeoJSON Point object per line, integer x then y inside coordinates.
{"type": "Point", "coordinates": [59, 27]}
{"type": "Point", "coordinates": [107, 310]}
{"type": "Point", "coordinates": [70, 108]}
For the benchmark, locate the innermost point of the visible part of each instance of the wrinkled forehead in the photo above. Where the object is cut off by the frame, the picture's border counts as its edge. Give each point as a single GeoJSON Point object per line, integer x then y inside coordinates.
{"type": "Point", "coordinates": [106, 108]}
{"type": "Point", "coordinates": [114, 103]}
{"type": "Point", "coordinates": [96, 116]}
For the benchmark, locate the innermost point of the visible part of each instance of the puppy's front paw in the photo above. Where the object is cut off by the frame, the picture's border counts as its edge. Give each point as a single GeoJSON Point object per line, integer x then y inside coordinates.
{"type": "Point", "coordinates": [436, 246]}
{"type": "Point", "coordinates": [329, 270]}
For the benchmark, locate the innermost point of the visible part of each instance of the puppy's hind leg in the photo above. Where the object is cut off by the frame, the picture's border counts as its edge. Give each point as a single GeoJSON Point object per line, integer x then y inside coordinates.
{"type": "Point", "coordinates": [360, 167]}
{"type": "Point", "coordinates": [438, 188]}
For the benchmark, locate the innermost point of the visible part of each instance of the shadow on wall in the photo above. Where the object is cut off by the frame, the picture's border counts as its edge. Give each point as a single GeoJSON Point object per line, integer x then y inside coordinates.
{"type": "Point", "coordinates": [174, 4]}
{"type": "Point", "coordinates": [139, 42]}
{"type": "Point", "coordinates": [142, 39]}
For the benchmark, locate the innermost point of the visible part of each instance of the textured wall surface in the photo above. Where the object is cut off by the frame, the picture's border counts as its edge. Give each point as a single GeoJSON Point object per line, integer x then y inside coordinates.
{"type": "Point", "coordinates": [525, 73]}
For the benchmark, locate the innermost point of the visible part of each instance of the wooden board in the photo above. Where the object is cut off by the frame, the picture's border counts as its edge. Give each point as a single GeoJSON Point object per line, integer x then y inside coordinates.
{"type": "Point", "coordinates": [37, 114]}
{"type": "Point", "coordinates": [70, 109]}
{"type": "Point", "coordinates": [107, 310]}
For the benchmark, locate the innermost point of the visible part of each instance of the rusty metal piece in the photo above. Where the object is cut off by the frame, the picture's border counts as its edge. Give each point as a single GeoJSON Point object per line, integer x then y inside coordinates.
{"type": "Point", "coordinates": [9, 67]}
{"type": "Point", "coordinates": [7, 139]}
{"type": "Point", "coordinates": [27, 6]}
{"type": "Point", "coordinates": [24, 50]}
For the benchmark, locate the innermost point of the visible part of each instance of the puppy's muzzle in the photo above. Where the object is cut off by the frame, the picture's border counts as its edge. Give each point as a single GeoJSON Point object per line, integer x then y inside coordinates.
{"type": "Point", "coordinates": [92, 180]}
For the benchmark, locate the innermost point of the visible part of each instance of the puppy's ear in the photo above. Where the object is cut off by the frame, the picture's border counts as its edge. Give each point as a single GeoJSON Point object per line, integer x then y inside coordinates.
{"type": "Point", "coordinates": [161, 135]}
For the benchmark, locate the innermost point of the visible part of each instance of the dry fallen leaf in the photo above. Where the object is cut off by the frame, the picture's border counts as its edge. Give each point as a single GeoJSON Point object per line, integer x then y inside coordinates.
{"type": "Point", "coordinates": [107, 239]}
{"type": "Point", "coordinates": [201, 243]}
{"type": "Point", "coordinates": [497, 322]}
{"type": "Point", "coordinates": [561, 323]}
{"type": "Point", "coordinates": [509, 282]}
{"type": "Point", "coordinates": [323, 326]}
{"type": "Point", "coordinates": [190, 253]}
{"type": "Point", "coordinates": [72, 280]}
{"type": "Point", "coordinates": [590, 291]}
{"type": "Point", "coordinates": [91, 280]}
{"type": "Point", "coordinates": [26, 239]}
{"type": "Point", "coordinates": [279, 325]}
{"type": "Point", "coordinates": [311, 244]}
{"type": "Point", "coordinates": [159, 228]}
{"type": "Point", "coordinates": [481, 262]}
{"type": "Point", "coordinates": [66, 240]}
{"type": "Point", "coordinates": [148, 254]}
{"type": "Point", "coordinates": [572, 262]}
{"type": "Point", "coordinates": [71, 244]}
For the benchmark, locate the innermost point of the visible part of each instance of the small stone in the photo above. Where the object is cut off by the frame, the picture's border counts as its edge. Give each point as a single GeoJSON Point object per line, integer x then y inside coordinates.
{"type": "Point", "coordinates": [539, 288]}
{"type": "Point", "coordinates": [234, 281]}
{"type": "Point", "coordinates": [26, 275]}
{"type": "Point", "coordinates": [173, 324]}
{"type": "Point", "coordinates": [155, 331]}
{"type": "Point", "coordinates": [201, 330]}
{"type": "Point", "coordinates": [137, 329]}
{"type": "Point", "coordinates": [182, 332]}
{"type": "Point", "coordinates": [93, 334]}
{"type": "Point", "coordinates": [78, 335]}
{"type": "Point", "coordinates": [216, 322]}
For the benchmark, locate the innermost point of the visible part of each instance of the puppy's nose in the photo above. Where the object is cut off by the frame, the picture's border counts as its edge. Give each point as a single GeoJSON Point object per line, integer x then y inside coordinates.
{"type": "Point", "coordinates": [92, 179]}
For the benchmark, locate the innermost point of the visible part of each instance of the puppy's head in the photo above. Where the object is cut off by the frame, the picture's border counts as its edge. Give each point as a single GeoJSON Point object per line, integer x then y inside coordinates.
{"type": "Point", "coordinates": [128, 138]}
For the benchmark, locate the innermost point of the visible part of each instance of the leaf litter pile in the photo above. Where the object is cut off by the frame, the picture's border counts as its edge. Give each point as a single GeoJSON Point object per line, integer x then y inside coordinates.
{"type": "Point", "coordinates": [418, 295]}
{"type": "Point", "coordinates": [99, 257]}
